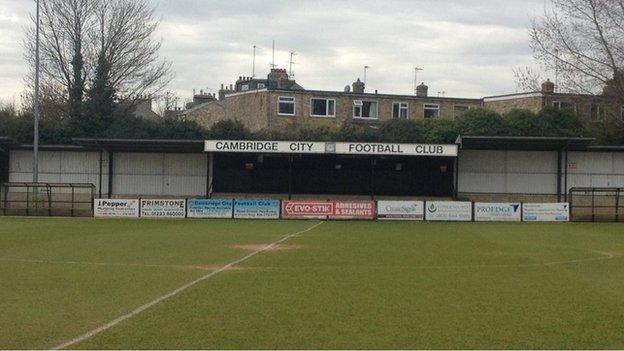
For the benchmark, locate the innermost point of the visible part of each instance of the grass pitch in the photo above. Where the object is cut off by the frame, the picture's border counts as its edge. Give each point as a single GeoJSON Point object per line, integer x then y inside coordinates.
{"type": "Point", "coordinates": [339, 285]}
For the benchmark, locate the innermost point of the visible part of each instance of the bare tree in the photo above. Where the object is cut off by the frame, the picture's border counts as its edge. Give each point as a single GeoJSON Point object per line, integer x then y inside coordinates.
{"type": "Point", "coordinates": [582, 43]}
{"type": "Point", "coordinates": [78, 36]}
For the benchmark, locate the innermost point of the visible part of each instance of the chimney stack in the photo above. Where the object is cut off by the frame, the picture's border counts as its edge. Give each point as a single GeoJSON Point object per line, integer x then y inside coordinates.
{"type": "Point", "coordinates": [548, 87]}
{"type": "Point", "coordinates": [422, 90]}
{"type": "Point", "coordinates": [358, 86]}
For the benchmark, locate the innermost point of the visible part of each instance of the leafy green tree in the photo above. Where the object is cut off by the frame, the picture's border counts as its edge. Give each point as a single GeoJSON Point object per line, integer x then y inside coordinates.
{"type": "Point", "coordinates": [480, 122]}
{"type": "Point", "coordinates": [230, 129]}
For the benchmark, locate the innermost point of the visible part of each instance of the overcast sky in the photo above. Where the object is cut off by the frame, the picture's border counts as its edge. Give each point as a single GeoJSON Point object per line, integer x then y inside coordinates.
{"type": "Point", "coordinates": [467, 48]}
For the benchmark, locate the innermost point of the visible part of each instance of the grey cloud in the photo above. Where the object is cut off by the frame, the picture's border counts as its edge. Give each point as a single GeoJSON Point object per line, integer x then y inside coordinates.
{"type": "Point", "coordinates": [467, 47]}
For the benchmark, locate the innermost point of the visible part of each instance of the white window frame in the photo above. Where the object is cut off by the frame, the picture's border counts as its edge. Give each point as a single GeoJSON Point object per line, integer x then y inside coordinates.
{"type": "Point", "coordinates": [437, 108]}
{"type": "Point", "coordinates": [245, 87]}
{"type": "Point", "coordinates": [402, 106]}
{"type": "Point", "coordinates": [326, 115]}
{"type": "Point", "coordinates": [261, 86]}
{"type": "Point", "coordinates": [599, 113]}
{"type": "Point", "coordinates": [557, 105]}
{"type": "Point", "coordinates": [469, 107]}
{"type": "Point", "coordinates": [292, 100]}
{"type": "Point", "coordinates": [360, 104]}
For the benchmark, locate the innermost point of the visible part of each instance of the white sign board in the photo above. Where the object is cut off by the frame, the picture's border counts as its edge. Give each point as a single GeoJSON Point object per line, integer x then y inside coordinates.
{"type": "Point", "coordinates": [257, 208]}
{"type": "Point", "coordinates": [163, 208]}
{"type": "Point", "coordinates": [310, 147]}
{"type": "Point", "coordinates": [116, 208]}
{"type": "Point", "coordinates": [497, 212]}
{"type": "Point", "coordinates": [209, 208]}
{"type": "Point", "coordinates": [546, 212]}
{"type": "Point", "coordinates": [280, 147]}
{"type": "Point", "coordinates": [448, 211]}
{"type": "Point", "coordinates": [395, 149]}
{"type": "Point", "coordinates": [401, 210]}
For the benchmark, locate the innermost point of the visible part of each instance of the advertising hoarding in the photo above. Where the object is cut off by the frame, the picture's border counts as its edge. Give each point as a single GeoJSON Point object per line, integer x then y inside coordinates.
{"type": "Point", "coordinates": [163, 208]}
{"type": "Point", "coordinates": [116, 208]}
{"type": "Point", "coordinates": [353, 210]}
{"type": "Point", "coordinates": [210, 208]}
{"type": "Point", "coordinates": [401, 210]}
{"type": "Point", "coordinates": [307, 209]}
{"type": "Point", "coordinates": [448, 211]}
{"type": "Point", "coordinates": [546, 212]}
{"type": "Point", "coordinates": [256, 208]}
{"type": "Point", "coordinates": [497, 212]}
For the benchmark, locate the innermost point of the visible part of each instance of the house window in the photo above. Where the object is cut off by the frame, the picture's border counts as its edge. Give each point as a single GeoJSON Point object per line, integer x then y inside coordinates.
{"type": "Point", "coordinates": [245, 87]}
{"type": "Point", "coordinates": [323, 107]}
{"type": "Point", "coordinates": [564, 106]}
{"type": "Point", "coordinates": [286, 105]}
{"type": "Point", "coordinates": [458, 110]}
{"type": "Point", "coordinates": [261, 85]}
{"type": "Point", "coordinates": [432, 110]}
{"type": "Point", "coordinates": [399, 110]}
{"type": "Point", "coordinates": [364, 109]}
{"type": "Point", "coordinates": [596, 113]}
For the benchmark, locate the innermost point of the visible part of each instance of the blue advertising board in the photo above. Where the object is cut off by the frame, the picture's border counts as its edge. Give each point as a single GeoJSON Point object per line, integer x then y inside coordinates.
{"type": "Point", "coordinates": [209, 208]}
{"type": "Point", "coordinates": [257, 208]}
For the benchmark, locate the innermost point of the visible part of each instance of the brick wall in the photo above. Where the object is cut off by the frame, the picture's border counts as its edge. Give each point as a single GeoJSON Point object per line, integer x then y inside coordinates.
{"type": "Point", "coordinates": [532, 103]}
{"type": "Point", "coordinates": [344, 108]}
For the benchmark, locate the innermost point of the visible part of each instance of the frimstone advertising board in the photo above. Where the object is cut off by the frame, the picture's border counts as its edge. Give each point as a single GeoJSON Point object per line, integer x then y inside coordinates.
{"type": "Point", "coordinates": [209, 208]}
{"type": "Point", "coordinates": [163, 208]}
{"type": "Point", "coordinates": [454, 211]}
{"type": "Point", "coordinates": [116, 208]}
{"type": "Point", "coordinates": [400, 210]}
{"type": "Point", "coordinates": [497, 212]}
{"type": "Point", "coordinates": [256, 208]}
{"type": "Point", "coordinates": [546, 212]}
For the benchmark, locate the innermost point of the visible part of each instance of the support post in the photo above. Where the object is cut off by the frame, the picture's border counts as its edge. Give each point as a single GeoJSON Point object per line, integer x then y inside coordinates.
{"type": "Point", "coordinates": [290, 178]}
{"type": "Point", "coordinates": [210, 178]}
{"type": "Point", "coordinates": [100, 174]}
{"type": "Point", "coordinates": [456, 178]}
{"type": "Point", "coordinates": [565, 177]}
{"type": "Point", "coordinates": [559, 160]}
{"type": "Point", "coordinates": [372, 180]}
{"type": "Point", "coordinates": [110, 174]}
{"type": "Point", "coordinates": [617, 204]}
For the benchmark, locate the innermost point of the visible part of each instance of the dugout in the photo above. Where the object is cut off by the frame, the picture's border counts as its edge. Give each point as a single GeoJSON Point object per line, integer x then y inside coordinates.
{"type": "Point", "coordinates": [300, 174]}
{"type": "Point", "coordinates": [333, 169]}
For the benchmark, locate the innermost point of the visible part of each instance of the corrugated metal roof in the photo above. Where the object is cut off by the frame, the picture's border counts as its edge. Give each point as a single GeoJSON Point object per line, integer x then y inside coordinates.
{"type": "Point", "coordinates": [142, 145]}
{"type": "Point", "coordinates": [478, 142]}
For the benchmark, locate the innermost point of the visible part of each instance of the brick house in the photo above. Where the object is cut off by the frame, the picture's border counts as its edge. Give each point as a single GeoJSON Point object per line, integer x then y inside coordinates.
{"type": "Point", "coordinates": [279, 103]}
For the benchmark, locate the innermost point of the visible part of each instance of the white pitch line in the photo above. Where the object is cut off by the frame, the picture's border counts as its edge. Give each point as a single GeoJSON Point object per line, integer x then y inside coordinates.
{"type": "Point", "coordinates": [175, 292]}
{"type": "Point", "coordinates": [86, 263]}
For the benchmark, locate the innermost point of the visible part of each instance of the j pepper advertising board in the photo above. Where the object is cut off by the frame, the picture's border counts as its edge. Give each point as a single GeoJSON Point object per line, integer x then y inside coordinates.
{"type": "Point", "coordinates": [116, 208]}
